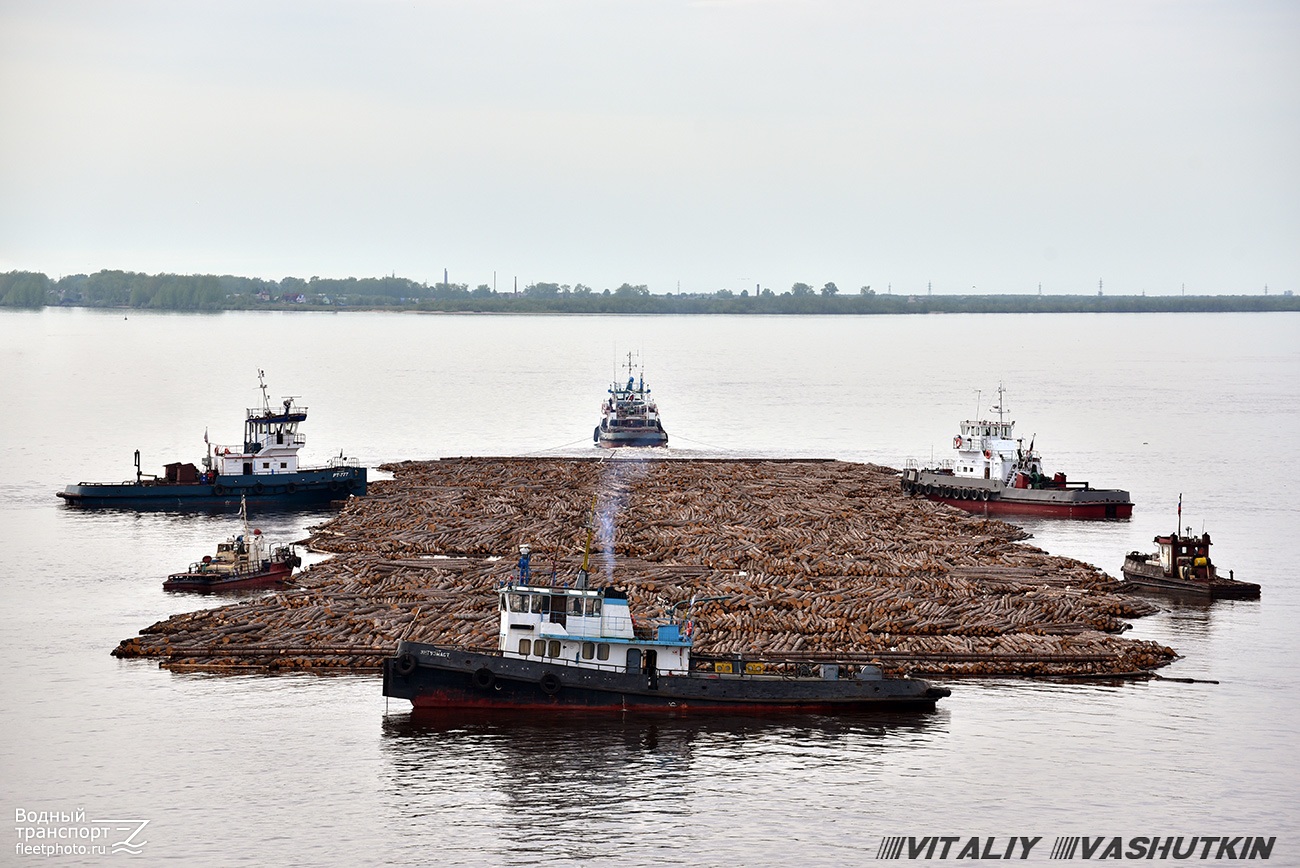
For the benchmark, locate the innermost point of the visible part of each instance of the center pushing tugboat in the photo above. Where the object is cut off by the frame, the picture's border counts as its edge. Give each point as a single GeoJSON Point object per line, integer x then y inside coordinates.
{"type": "Point", "coordinates": [242, 562]}
{"type": "Point", "coordinates": [993, 473]}
{"type": "Point", "coordinates": [629, 416]}
{"type": "Point", "coordinates": [579, 647]}
{"type": "Point", "coordinates": [263, 471]}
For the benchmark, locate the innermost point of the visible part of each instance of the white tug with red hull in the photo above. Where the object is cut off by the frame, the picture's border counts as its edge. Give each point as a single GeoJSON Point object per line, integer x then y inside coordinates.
{"type": "Point", "coordinates": [993, 473]}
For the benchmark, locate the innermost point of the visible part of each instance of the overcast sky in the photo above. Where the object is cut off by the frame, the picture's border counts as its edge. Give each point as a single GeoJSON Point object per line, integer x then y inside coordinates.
{"type": "Point", "coordinates": [986, 145]}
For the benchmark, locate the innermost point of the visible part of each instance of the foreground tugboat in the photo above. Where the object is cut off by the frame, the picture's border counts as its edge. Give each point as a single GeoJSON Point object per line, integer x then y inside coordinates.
{"type": "Point", "coordinates": [562, 647]}
{"type": "Point", "coordinates": [243, 561]}
{"type": "Point", "coordinates": [1181, 564]}
{"type": "Point", "coordinates": [262, 470]}
{"type": "Point", "coordinates": [993, 473]}
{"type": "Point", "coordinates": [629, 416]}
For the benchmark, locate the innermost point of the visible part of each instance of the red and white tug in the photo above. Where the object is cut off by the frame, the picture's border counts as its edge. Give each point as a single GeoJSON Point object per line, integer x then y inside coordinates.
{"type": "Point", "coordinates": [243, 561]}
{"type": "Point", "coordinates": [993, 473]}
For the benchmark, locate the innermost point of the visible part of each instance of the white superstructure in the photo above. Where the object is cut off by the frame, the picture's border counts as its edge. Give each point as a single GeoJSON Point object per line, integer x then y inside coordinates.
{"type": "Point", "coordinates": [271, 441]}
{"type": "Point", "coordinates": [587, 628]}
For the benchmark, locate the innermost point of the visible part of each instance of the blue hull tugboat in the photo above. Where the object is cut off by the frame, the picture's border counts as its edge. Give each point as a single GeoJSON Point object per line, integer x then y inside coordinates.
{"type": "Point", "coordinates": [629, 416]}
{"type": "Point", "coordinates": [263, 471]}
{"type": "Point", "coordinates": [577, 647]}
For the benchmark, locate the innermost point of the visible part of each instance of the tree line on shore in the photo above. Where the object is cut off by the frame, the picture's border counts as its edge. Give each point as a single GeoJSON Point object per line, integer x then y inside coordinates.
{"type": "Point", "coordinates": [206, 292]}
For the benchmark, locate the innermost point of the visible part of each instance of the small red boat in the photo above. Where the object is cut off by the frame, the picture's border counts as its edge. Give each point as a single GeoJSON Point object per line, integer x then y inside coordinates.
{"type": "Point", "coordinates": [243, 561]}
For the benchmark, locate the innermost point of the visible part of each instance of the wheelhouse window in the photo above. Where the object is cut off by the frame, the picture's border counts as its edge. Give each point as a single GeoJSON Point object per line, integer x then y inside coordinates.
{"type": "Point", "coordinates": [540, 603]}
{"type": "Point", "coordinates": [519, 602]}
{"type": "Point", "coordinates": [575, 605]}
{"type": "Point", "coordinates": [591, 606]}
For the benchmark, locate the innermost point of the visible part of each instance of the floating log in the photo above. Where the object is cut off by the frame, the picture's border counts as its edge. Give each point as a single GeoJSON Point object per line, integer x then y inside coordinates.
{"type": "Point", "coordinates": [815, 558]}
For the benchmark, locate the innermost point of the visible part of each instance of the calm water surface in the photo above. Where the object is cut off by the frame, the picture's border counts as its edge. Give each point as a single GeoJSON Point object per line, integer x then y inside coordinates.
{"type": "Point", "coordinates": [321, 770]}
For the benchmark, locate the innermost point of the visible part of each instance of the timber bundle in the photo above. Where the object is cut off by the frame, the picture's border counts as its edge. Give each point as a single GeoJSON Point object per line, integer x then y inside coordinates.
{"type": "Point", "coordinates": [815, 560]}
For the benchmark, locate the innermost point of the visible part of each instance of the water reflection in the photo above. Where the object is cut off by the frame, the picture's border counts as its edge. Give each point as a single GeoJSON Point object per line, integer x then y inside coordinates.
{"type": "Point", "coordinates": [538, 779]}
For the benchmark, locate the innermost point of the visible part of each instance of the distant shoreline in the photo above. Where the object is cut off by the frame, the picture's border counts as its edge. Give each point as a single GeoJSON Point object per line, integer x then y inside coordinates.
{"type": "Point", "coordinates": [119, 290]}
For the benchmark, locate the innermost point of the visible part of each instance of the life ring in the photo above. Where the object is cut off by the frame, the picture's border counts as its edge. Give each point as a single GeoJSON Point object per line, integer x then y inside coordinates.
{"type": "Point", "coordinates": [291, 488]}
{"type": "Point", "coordinates": [405, 665]}
{"type": "Point", "coordinates": [550, 684]}
{"type": "Point", "coordinates": [988, 453]}
{"type": "Point", "coordinates": [258, 489]}
{"type": "Point", "coordinates": [218, 489]}
{"type": "Point", "coordinates": [484, 678]}
{"type": "Point", "coordinates": [956, 442]}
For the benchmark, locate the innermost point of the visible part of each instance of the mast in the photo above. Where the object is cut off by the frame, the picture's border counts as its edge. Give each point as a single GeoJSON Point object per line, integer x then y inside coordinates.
{"type": "Point", "coordinates": [261, 384]}
{"type": "Point", "coordinates": [583, 571]}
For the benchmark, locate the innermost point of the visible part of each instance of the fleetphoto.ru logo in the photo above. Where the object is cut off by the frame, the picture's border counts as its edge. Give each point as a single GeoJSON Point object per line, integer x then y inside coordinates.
{"type": "Point", "coordinates": [1081, 847]}
{"type": "Point", "coordinates": [69, 833]}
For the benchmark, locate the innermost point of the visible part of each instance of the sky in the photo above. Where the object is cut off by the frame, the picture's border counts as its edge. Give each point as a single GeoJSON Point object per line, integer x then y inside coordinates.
{"type": "Point", "coordinates": [982, 146]}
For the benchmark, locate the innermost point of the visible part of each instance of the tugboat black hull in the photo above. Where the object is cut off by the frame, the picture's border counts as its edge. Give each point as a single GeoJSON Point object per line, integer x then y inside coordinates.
{"type": "Point", "coordinates": [1140, 571]}
{"type": "Point", "coordinates": [297, 490]}
{"type": "Point", "coordinates": [614, 439]}
{"type": "Point", "coordinates": [436, 677]}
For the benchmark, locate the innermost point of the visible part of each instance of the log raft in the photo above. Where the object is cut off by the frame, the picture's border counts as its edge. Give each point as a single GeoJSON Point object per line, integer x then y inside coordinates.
{"type": "Point", "coordinates": [816, 559]}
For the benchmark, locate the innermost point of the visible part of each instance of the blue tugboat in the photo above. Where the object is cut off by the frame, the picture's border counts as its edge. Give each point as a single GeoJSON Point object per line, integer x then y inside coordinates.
{"type": "Point", "coordinates": [263, 471]}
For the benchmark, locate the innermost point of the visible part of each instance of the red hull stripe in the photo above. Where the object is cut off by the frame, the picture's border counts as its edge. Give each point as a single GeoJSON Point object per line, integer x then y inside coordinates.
{"type": "Point", "coordinates": [1058, 510]}
{"type": "Point", "coordinates": [460, 701]}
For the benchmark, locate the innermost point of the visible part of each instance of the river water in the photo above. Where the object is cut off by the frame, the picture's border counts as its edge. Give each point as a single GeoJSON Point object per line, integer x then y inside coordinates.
{"type": "Point", "coordinates": [314, 770]}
